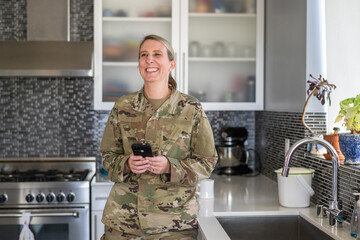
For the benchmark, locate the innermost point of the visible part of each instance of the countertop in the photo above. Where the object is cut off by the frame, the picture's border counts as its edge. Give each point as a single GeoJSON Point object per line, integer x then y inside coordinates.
{"type": "Point", "coordinates": [248, 196]}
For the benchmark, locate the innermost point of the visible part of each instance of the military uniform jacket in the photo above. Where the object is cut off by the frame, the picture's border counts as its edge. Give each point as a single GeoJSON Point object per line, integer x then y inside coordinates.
{"type": "Point", "coordinates": [180, 131]}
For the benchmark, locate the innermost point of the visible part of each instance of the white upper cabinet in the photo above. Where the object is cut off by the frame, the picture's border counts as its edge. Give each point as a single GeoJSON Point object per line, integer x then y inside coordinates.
{"type": "Point", "coordinates": [218, 47]}
{"type": "Point", "coordinates": [119, 27]}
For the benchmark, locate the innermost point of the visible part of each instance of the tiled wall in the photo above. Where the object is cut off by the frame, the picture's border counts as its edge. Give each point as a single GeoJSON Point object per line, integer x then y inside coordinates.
{"type": "Point", "coordinates": [46, 117]}
{"type": "Point", "coordinates": [271, 130]}
{"type": "Point", "coordinates": [13, 20]}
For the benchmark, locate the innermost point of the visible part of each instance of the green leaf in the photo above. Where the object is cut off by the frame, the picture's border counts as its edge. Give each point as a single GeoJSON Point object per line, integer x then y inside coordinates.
{"type": "Point", "coordinates": [349, 123]}
{"type": "Point", "coordinates": [342, 112]}
{"type": "Point", "coordinates": [357, 117]}
{"type": "Point", "coordinates": [351, 113]}
{"type": "Point", "coordinates": [357, 126]}
{"type": "Point", "coordinates": [345, 104]}
{"type": "Point", "coordinates": [357, 100]}
{"type": "Point", "coordinates": [339, 118]}
{"type": "Point", "coordinates": [357, 122]}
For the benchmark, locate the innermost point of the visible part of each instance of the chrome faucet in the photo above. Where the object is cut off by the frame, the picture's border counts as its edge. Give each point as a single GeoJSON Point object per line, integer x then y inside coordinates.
{"type": "Point", "coordinates": [334, 208]}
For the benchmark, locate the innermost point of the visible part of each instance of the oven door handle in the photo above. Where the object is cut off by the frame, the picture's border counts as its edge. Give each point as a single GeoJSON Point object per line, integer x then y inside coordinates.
{"type": "Point", "coordinates": [74, 214]}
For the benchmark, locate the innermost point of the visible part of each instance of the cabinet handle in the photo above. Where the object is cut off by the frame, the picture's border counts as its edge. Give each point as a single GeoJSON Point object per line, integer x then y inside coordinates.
{"type": "Point", "coordinates": [95, 227]}
{"type": "Point", "coordinates": [74, 214]}
{"type": "Point", "coordinates": [101, 198]}
{"type": "Point", "coordinates": [183, 73]}
{"type": "Point", "coordinates": [176, 60]}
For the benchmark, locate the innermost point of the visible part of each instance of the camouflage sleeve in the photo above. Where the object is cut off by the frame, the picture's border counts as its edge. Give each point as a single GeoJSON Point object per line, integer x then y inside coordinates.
{"type": "Point", "coordinates": [113, 158]}
{"type": "Point", "coordinates": [202, 157]}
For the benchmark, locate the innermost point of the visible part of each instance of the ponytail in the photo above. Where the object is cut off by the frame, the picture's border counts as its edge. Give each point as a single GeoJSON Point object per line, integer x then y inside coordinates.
{"type": "Point", "coordinates": [172, 83]}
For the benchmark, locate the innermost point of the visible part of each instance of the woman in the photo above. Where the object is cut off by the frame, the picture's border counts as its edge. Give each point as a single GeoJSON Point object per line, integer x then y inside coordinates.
{"type": "Point", "coordinates": [154, 197]}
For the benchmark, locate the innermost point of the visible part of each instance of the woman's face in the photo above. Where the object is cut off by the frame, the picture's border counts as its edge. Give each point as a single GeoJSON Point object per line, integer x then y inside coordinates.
{"type": "Point", "coordinates": [154, 64]}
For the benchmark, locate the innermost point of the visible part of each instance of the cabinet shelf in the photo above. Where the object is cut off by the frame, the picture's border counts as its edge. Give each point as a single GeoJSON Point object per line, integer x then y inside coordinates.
{"type": "Point", "coordinates": [191, 59]}
{"type": "Point", "coordinates": [120, 64]}
{"type": "Point", "coordinates": [222, 59]}
{"type": "Point", "coordinates": [136, 19]}
{"type": "Point", "coordinates": [222, 15]}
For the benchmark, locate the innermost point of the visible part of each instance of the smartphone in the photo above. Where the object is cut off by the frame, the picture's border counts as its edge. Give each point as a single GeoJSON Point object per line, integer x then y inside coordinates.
{"type": "Point", "coordinates": [142, 149]}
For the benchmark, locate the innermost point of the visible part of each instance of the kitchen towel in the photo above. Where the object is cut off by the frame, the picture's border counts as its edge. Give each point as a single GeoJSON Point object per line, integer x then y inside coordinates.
{"type": "Point", "coordinates": [26, 233]}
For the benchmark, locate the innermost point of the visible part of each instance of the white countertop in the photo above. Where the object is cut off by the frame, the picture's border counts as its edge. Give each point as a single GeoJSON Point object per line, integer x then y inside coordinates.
{"type": "Point", "coordinates": [249, 196]}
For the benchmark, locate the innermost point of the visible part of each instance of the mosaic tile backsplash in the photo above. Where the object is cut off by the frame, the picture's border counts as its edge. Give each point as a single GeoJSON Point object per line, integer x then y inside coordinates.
{"type": "Point", "coordinates": [47, 117]}
{"type": "Point", "coordinates": [13, 20]}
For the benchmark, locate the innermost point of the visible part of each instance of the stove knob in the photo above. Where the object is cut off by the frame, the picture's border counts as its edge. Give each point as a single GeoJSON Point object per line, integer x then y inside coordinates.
{"type": "Point", "coordinates": [60, 197]}
{"type": "Point", "coordinates": [40, 197]}
{"type": "Point", "coordinates": [3, 198]}
{"type": "Point", "coordinates": [29, 198]}
{"type": "Point", "coordinates": [50, 197]}
{"type": "Point", "coordinates": [70, 197]}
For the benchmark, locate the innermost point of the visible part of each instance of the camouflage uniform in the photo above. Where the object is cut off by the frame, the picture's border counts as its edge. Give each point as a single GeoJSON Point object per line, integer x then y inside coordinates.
{"type": "Point", "coordinates": [148, 202]}
{"type": "Point", "coordinates": [188, 234]}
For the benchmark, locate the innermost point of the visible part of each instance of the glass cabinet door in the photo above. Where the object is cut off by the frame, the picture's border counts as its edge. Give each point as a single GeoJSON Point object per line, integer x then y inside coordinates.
{"type": "Point", "coordinates": [218, 48]}
{"type": "Point", "coordinates": [124, 23]}
{"type": "Point", "coordinates": [222, 52]}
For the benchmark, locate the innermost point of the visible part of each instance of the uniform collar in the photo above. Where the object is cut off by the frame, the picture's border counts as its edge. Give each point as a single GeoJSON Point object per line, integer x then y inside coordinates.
{"type": "Point", "coordinates": [142, 104]}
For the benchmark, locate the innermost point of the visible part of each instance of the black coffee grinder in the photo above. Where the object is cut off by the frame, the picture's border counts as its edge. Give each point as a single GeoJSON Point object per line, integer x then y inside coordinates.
{"type": "Point", "coordinates": [233, 157]}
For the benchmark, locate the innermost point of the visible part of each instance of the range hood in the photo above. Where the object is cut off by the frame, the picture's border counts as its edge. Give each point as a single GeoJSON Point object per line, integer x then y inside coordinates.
{"type": "Point", "coordinates": [47, 51]}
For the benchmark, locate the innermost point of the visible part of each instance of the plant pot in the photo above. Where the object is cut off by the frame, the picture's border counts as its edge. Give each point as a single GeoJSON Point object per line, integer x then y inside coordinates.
{"type": "Point", "coordinates": [333, 139]}
{"type": "Point", "coordinates": [350, 147]}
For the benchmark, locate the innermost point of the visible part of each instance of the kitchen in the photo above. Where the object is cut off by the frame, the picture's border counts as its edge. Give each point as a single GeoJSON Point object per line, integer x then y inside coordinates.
{"type": "Point", "coordinates": [68, 124]}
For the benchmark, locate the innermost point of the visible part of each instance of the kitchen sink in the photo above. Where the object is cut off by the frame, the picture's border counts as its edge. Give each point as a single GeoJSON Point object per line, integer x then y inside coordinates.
{"type": "Point", "coordinates": [270, 227]}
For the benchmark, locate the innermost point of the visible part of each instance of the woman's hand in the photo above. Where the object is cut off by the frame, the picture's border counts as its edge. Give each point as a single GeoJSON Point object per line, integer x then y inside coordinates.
{"type": "Point", "coordinates": [158, 164]}
{"type": "Point", "coordinates": [138, 164]}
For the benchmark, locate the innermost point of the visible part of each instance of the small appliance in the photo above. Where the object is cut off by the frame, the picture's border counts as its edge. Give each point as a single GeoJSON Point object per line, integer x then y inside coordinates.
{"type": "Point", "coordinates": [233, 157]}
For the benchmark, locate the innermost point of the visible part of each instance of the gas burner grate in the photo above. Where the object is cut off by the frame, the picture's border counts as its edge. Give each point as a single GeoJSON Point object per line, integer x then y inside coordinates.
{"type": "Point", "coordinates": [50, 175]}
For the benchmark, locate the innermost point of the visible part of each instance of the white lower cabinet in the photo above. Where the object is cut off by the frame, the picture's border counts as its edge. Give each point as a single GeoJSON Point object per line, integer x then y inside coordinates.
{"type": "Point", "coordinates": [97, 225]}
{"type": "Point", "coordinates": [99, 195]}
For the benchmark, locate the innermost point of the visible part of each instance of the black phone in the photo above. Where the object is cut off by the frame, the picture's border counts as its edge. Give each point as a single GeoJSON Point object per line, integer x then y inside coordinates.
{"type": "Point", "coordinates": [142, 149]}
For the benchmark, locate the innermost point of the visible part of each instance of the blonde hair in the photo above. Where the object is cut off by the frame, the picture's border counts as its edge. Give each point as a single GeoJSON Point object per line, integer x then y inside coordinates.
{"type": "Point", "coordinates": [170, 53]}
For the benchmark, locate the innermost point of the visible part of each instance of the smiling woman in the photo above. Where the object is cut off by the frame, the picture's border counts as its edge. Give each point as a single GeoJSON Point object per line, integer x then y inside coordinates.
{"type": "Point", "coordinates": [155, 197]}
{"type": "Point", "coordinates": [155, 64]}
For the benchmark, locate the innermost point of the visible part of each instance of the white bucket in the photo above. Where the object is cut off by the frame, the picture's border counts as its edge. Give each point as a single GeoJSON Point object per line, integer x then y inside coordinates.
{"type": "Point", "coordinates": [295, 190]}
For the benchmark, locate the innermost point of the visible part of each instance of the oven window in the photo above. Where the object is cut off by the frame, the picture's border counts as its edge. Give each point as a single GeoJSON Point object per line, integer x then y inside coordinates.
{"type": "Point", "coordinates": [40, 231]}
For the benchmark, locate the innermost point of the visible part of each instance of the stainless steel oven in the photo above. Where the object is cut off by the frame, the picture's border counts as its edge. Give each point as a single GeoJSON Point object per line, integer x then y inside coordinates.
{"type": "Point", "coordinates": [48, 224]}
{"type": "Point", "coordinates": [56, 193]}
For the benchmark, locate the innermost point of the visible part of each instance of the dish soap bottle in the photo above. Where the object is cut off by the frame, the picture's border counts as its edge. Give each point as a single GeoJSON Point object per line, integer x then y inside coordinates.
{"type": "Point", "coordinates": [354, 227]}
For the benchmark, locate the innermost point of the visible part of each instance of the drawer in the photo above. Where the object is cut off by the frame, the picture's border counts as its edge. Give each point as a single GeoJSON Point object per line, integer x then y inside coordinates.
{"type": "Point", "coordinates": [99, 195]}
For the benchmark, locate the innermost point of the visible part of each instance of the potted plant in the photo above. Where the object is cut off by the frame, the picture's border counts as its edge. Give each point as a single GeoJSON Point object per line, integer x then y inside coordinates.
{"type": "Point", "coordinates": [350, 142]}
{"type": "Point", "coordinates": [321, 89]}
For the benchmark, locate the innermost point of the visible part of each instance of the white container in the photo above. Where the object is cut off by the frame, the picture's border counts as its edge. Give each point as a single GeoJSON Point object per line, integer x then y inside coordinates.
{"type": "Point", "coordinates": [295, 190]}
{"type": "Point", "coordinates": [206, 189]}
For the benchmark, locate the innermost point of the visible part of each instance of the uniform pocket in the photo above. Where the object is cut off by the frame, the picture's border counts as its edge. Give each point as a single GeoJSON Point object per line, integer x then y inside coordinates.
{"type": "Point", "coordinates": [128, 137]}
{"type": "Point", "coordinates": [176, 138]}
{"type": "Point", "coordinates": [130, 125]}
{"type": "Point", "coordinates": [120, 211]}
{"type": "Point", "coordinates": [176, 206]}
{"type": "Point", "coordinates": [165, 198]}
